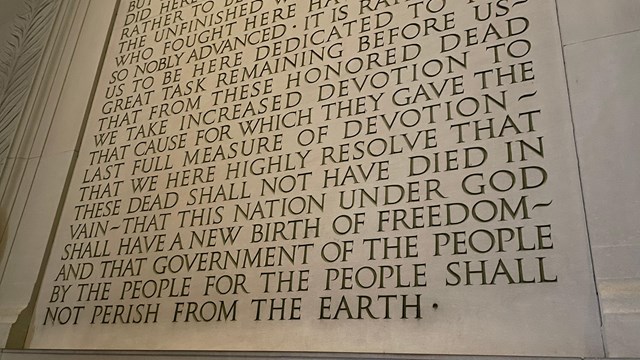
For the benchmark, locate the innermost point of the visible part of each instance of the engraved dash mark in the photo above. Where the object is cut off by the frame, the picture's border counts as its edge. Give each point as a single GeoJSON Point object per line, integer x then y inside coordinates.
{"type": "Point", "coordinates": [527, 95]}
{"type": "Point", "coordinates": [542, 205]}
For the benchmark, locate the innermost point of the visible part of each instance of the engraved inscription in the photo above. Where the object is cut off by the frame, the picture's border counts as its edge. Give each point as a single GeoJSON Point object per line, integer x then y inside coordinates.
{"type": "Point", "coordinates": [322, 168]}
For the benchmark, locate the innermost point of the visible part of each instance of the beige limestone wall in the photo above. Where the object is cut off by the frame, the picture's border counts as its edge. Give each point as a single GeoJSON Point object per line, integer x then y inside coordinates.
{"type": "Point", "coordinates": [482, 316]}
{"type": "Point", "coordinates": [41, 155]}
{"type": "Point", "coordinates": [602, 46]}
{"type": "Point", "coordinates": [602, 51]}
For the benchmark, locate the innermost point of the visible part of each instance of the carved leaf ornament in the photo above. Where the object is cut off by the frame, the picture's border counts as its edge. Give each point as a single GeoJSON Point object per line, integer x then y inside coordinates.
{"type": "Point", "coordinates": [18, 64]}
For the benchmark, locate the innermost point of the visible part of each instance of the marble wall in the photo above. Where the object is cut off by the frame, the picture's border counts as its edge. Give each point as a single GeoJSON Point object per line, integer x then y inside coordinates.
{"type": "Point", "coordinates": [396, 128]}
{"type": "Point", "coordinates": [601, 45]}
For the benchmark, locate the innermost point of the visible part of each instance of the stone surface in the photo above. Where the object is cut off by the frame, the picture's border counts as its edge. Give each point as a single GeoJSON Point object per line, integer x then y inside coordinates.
{"type": "Point", "coordinates": [583, 20]}
{"type": "Point", "coordinates": [620, 331]}
{"type": "Point", "coordinates": [10, 11]}
{"type": "Point", "coordinates": [176, 355]}
{"type": "Point", "coordinates": [19, 276]}
{"type": "Point", "coordinates": [33, 183]}
{"type": "Point", "coordinates": [20, 73]}
{"type": "Point", "coordinates": [16, 197]}
{"type": "Point", "coordinates": [499, 314]}
{"type": "Point", "coordinates": [599, 114]}
{"type": "Point", "coordinates": [603, 82]}
{"type": "Point", "coordinates": [76, 92]}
